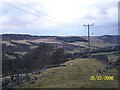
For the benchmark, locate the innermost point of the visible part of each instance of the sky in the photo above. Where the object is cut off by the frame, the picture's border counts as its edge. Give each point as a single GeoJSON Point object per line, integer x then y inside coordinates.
{"type": "Point", "coordinates": [59, 17]}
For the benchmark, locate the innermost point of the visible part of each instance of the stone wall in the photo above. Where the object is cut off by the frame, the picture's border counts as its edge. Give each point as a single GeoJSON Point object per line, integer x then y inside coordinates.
{"type": "Point", "coordinates": [101, 57]}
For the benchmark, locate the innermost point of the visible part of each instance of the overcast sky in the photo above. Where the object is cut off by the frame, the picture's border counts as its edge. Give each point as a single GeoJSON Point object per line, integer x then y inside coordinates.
{"type": "Point", "coordinates": [59, 17]}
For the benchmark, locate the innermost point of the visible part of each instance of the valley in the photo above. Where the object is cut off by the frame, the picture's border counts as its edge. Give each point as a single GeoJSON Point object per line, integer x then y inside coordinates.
{"type": "Point", "coordinates": [35, 53]}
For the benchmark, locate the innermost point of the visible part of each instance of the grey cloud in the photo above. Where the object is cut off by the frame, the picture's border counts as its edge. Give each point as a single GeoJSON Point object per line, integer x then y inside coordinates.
{"type": "Point", "coordinates": [104, 6]}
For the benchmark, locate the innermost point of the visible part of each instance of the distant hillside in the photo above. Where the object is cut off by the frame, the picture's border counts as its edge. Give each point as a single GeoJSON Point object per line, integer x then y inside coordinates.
{"type": "Point", "coordinates": [21, 37]}
{"type": "Point", "coordinates": [72, 39]}
{"type": "Point", "coordinates": [110, 38]}
{"type": "Point", "coordinates": [15, 43]}
{"type": "Point", "coordinates": [25, 43]}
{"type": "Point", "coordinates": [105, 38]}
{"type": "Point", "coordinates": [30, 37]}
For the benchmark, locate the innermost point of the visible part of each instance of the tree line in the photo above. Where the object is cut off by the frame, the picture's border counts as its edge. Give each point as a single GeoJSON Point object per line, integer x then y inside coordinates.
{"type": "Point", "coordinates": [38, 58]}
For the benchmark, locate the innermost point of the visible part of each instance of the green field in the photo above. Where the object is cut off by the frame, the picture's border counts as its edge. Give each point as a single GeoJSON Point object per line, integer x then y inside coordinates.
{"type": "Point", "coordinates": [76, 74]}
{"type": "Point", "coordinates": [111, 56]}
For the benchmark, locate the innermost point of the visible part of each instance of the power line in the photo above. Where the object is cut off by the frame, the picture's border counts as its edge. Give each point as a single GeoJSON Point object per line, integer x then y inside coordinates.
{"type": "Point", "coordinates": [39, 12]}
{"type": "Point", "coordinates": [29, 12]}
{"type": "Point", "coordinates": [19, 8]}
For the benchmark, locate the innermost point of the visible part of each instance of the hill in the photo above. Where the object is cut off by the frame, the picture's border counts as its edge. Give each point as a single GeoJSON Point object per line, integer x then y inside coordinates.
{"type": "Point", "coordinates": [15, 46]}
{"type": "Point", "coordinates": [25, 43]}
{"type": "Point", "coordinates": [105, 38]}
{"type": "Point", "coordinates": [46, 53]}
{"type": "Point", "coordinates": [75, 74]}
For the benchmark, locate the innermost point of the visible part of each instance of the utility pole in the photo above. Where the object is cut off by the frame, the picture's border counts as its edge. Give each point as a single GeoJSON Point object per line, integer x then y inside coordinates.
{"type": "Point", "coordinates": [88, 25]}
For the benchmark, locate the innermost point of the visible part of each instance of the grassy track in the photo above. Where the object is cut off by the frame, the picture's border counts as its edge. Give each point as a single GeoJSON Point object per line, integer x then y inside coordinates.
{"type": "Point", "coordinates": [75, 74]}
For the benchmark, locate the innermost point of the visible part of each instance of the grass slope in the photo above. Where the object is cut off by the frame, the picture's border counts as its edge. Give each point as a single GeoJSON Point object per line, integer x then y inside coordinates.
{"type": "Point", "coordinates": [75, 74]}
